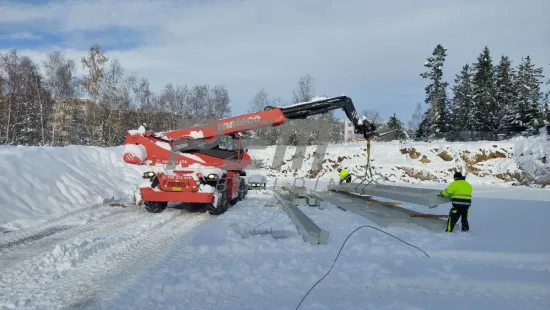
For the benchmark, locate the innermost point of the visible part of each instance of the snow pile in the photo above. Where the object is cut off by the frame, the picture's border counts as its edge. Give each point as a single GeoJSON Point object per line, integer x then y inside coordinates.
{"type": "Point", "coordinates": [533, 156]}
{"type": "Point", "coordinates": [196, 134]}
{"type": "Point", "coordinates": [141, 130]}
{"type": "Point", "coordinates": [485, 162]}
{"type": "Point", "coordinates": [135, 153]}
{"type": "Point", "coordinates": [39, 183]}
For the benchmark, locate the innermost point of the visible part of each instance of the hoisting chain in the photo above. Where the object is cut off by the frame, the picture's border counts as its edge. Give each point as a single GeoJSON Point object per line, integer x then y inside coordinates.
{"type": "Point", "coordinates": [368, 172]}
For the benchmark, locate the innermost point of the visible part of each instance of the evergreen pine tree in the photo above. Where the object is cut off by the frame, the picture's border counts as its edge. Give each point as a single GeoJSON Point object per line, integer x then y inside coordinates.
{"type": "Point", "coordinates": [506, 88]}
{"type": "Point", "coordinates": [462, 100]}
{"type": "Point", "coordinates": [484, 109]}
{"type": "Point", "coordinates": [547, 113]}
{"type": "Point", "coordinates": [394, 123]}
{"type": "Point", "coordinates": [436, 92]}
{"type": "Point", "coordinates": [525, 114]}
{"type": "Point", "coordinates": [547, 108]}
{"type": "Point", "coordinates": [416, 119]}
{"type": "Point", "coordinates": [424, 127]}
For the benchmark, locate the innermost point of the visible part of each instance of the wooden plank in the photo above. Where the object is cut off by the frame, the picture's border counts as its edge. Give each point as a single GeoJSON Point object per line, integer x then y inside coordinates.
{"type": "Point", "coordinates": [429, 215]}
{"type": "Point", "coordinates": [384, 203]}
{"type": "Point", "coordinates": [369, 200]}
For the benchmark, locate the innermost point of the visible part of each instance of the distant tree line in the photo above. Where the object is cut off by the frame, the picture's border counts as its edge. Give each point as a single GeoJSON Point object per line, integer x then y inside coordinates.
{"type": "Point", "coordinates": [40, 108]}
{"type": "Point", "coordinates": [487, 100]}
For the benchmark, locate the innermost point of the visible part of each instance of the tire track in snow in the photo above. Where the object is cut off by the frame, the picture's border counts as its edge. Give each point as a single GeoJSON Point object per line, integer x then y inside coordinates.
{"type": "Point", "coordinates": [104, 257]}
{"type": "Point", "coordinates": [48, 262]}
{"type": "Point", "coordinates": [163, 246]}
{"type": "Point", "coordinates": [58, 229]}
{"type": "Point", "coordinates": [36, 245]}
{"type": "Point", "coordinates": [58, 220]}
{"type": "Point", "coordinates": [212, 286]}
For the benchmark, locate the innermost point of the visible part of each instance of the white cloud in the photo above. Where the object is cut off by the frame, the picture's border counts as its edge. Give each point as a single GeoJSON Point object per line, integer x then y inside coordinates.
{"type": "Point", "coordinates": [19, 36]}
{"type": "Point", "coordinates": [370, 50]}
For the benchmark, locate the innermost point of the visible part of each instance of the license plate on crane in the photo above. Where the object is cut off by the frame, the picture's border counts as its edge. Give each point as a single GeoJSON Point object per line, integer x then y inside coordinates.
{"type": "Point", "coordinates": [177, 183]}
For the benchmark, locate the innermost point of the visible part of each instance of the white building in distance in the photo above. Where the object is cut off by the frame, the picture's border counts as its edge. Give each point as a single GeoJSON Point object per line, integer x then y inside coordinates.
{"type": "Point", "coordinates": [349, 134]}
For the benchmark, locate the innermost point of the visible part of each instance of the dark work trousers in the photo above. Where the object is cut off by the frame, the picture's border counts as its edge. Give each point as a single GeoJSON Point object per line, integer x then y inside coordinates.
{"type": "Point", "coordinates": [458, 211]}
{"type": "Point", "coordinates": [347, 179]}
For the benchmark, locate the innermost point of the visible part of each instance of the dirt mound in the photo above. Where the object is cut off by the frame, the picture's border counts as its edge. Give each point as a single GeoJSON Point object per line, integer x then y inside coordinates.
{"type": "Point", "coordinates": [425, 159]}
{"type": "Point", "coordinates": [418, 174]}
{"type": "Point", "coordinates": [446, 156]}
{"type": "Point", "coordinates": [413, 154]}
{"type": "Point", "coordinates": [484, 155]}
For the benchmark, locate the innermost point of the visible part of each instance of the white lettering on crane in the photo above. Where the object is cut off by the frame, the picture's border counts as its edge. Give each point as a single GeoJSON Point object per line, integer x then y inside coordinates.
{"type": "Point", "coordinates": [240, 122]}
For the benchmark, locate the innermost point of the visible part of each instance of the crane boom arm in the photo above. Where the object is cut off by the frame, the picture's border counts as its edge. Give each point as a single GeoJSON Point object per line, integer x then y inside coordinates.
{"type": "Point", "coordinates": [314, 107]}
{"type": "Point", "coordinates": [271, 117]}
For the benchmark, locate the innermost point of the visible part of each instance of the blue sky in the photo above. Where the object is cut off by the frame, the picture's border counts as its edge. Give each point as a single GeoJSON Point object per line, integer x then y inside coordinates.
{"type": "Point", "coordinates": [372, 51]}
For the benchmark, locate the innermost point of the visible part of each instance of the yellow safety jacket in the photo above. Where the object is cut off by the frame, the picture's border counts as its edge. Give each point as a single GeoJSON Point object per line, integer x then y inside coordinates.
{"type": "Point", "coordinates": [460, 193]}
{"type": "Point", "coordinates": [343, 174]}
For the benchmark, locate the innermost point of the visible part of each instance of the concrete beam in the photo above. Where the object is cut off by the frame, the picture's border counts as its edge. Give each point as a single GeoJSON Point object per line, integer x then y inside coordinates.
{"type": "Point", "coordinates": [420, 196]}
{"type": "Point", "coordinates": [301, 196]}
{"type": "Point", "coordinates": [384, 215]}
{"type": "Point", "coordinates": [306, 227]}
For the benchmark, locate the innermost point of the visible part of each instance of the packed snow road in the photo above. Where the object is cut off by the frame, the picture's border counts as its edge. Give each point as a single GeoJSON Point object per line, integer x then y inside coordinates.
{"type": "Point", "coordinates": [124, 258]}
{"type": "Point", "coordinates": [77, 256]}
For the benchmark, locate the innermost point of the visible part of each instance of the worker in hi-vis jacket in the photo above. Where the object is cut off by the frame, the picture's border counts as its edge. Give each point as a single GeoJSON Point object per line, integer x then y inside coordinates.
{"type": "Point", "coordinates": [460, 192]}
{"type": "Point", "coordinates": [344, 175]}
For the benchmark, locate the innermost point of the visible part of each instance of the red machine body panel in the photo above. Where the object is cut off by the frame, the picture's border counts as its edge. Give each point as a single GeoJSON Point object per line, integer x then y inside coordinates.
{"type": "Point", "coordinates": [149, 194]}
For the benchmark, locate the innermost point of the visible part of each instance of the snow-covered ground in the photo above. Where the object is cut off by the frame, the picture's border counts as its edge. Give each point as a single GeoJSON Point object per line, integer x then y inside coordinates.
{"type": "Point", "coordinates": [68, 248]}
{"type": "Point", "coordinates": [507, 162]}
{"type": "Point", "coordinates": [126, 258]}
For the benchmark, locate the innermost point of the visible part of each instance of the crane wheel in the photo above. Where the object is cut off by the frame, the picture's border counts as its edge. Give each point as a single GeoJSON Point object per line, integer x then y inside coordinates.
{"type": "Point", "coordinates": [155, 206]}
{"type": "Point", "coordinates": [242, 193]}
{"type": "Point", "coordinates": [223, 205]}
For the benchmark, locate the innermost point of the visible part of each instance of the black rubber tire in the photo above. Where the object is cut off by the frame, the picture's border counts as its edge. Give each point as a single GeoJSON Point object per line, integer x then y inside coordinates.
{"type": "Point", "coordinates": [155, 206]}
{"type": "Point", "coordinates": [223, 205]}
{"type": "Point", "coordinates": [242, 190]}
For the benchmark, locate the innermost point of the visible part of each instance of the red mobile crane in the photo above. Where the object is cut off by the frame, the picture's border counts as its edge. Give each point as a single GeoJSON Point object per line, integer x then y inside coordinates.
{"type": "Point", "coordinates": [206, 173]}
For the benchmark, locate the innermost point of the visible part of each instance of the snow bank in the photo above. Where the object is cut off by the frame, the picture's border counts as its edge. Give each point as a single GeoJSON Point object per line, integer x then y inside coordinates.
{"type": "Point", "coordinates": [39, 183]}
{"type": "Point", "coordinates": [486, 162]}
{"type": "Point", "coordinates": [533, 156]}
